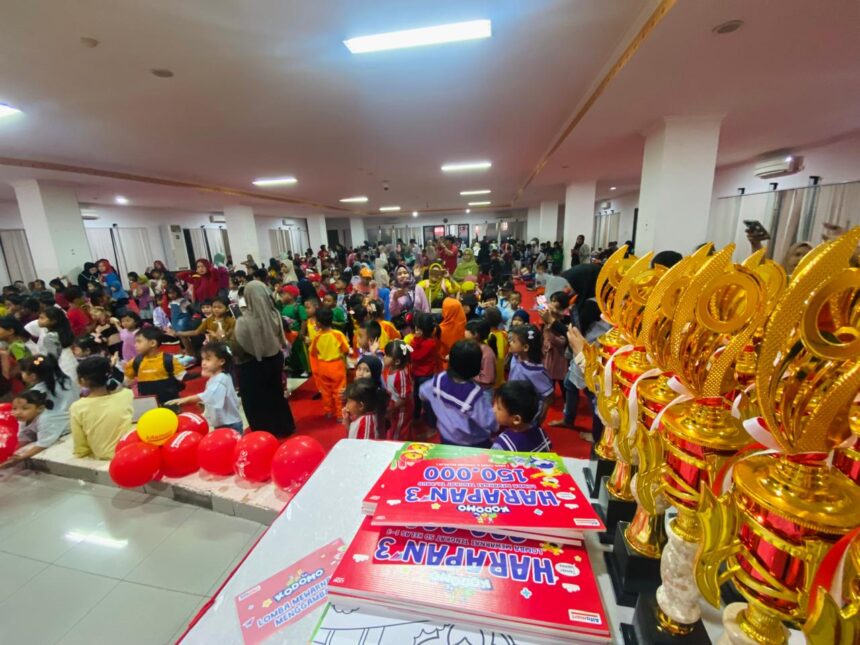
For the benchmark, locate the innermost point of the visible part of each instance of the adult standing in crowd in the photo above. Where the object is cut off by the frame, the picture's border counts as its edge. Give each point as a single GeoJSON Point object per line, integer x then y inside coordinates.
{"type": "Point", "coordinates": [259, 341]}
{"type": "Point", "coordinates": [207, 282]}
{"type": "Point", "coordinates": [112, 284]}
{"type": "Point", "coordinates": [448, 254]}
{"type": "Point", "coordinates": [88, 279]}
{"type": "Point", "coordinates": [581, 252]}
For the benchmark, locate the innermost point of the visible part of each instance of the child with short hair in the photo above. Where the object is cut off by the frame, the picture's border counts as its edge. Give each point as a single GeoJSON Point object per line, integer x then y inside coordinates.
{"type": "Point", "coordinates": [370, 338]}
{"type": "Point", "coordinates": [328, 352]}
{"type": "Point", "coordinates": [425, 358]}
{"type": "Point", "coordinates": [497, 341]}
{"type": "Point", "coordinates": [28, 407]}
{"type": "Point", "coordinates": [157, 374]}
{"type": "Point", "coordinates": [103, 417]}
{"type": "Point", "coordinates": [463, 416]}
{"type": "Point", "coordinates": [479, 331]}
{"type": "Point", "coordinates": [129, 323]}
{"type": "Point", "coordinates": [217, 324]}
{"type": "Point", "coordinates": [219, 399]}
{"type": "Point", "coordinates": [526, 344]}
{"type": "Point", "coordinates": [79, 320]}
{"type": "Point", "coordinates": [520, 317]}
{"type": "Point", "coordinates": [399, 385]}
{"type": "Point", "coordinates": [389, 332]}
{"type": "Point", "coordinates": [105, 331]}
{"type": "Point", "coordinates": [14, 349]}
{"type": "Point", "coordinates": [516, 405]}
{"type": "Point", "coordinates": [364, 409]}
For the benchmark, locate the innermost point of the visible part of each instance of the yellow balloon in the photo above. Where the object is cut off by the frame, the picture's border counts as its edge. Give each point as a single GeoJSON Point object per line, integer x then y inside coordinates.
{"type": "Point", "coordinates": [157, 426]}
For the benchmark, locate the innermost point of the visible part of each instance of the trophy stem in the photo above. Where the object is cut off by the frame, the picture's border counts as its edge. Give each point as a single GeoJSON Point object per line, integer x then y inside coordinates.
{"type": "Point", "coordinates": [619, 481]}
{"type": "Point", "coordinates": [646, 533]}
{"type": "Point", "coordinates": [749, 625]}
{"type": "Point", "coordinates": [605, 448]}
{"type": "Point", "coordinates": [678, 596]}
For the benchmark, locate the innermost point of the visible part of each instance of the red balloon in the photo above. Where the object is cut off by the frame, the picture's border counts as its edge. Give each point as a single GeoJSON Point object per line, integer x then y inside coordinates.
{"type": "Point", "coordinates": [296, 460]}
{"type": "Point", "coordinates": [8, 442]}
{"type": "Point", "coordinates": [215, 451]}
{"type": "Point", "coordinates": [135, 465]}
{"type": "Point", "coordinates": [5, 407]}
{"type": "Point", "coordinates": [179, 455]}
{"type": "Point", "coordinates": [194, 422]}
{"type": "Point", "coordinates": [252, 456]}
{"type": "Point", "coordinates": [129, 439]}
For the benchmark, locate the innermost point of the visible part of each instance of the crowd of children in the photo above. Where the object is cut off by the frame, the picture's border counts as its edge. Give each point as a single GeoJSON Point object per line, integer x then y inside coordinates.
{"type": "Point", "coordinates": [402, 342]}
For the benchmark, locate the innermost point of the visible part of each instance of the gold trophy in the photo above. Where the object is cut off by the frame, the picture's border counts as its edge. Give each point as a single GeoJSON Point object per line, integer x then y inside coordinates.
{"type": "Point", "coordinates": [608, 281]}
{"type": "Point", "coordinates": [787, 507]}
{"type": "Point", "coordinates": [718, 310]}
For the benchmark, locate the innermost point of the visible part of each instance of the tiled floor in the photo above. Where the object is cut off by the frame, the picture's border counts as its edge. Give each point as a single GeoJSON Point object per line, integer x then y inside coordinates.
{"type": "Point", "coordinates": [82, 563]}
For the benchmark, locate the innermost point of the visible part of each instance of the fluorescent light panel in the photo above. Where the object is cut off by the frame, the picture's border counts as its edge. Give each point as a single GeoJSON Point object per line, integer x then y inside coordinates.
{"type": "Point", "coordinates": [467, 165]}
{"type": "Point", "coordinates": [389, 209]}
{"type": "Point", "coordinates": [121, 200]}
{"type": "Point", "coordinates": [480, 203]}
{"type": "Point", "coordinates": [465, 193]}
{"type": "Point", "coordinates": [275, 181]}
{"type": "Point", "coordinates": [453, 32]}
{"type": "Point", "coordinates": [8, 110]}
{"type": "Point", "coordinates": [354, 200]}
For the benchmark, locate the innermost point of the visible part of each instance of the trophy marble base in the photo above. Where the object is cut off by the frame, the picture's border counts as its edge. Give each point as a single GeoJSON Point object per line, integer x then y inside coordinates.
{"type": "Point", "coordinates": [631, 572]}
{"type": "Point", "coordinates": [612, 511]}
{"type": "Point", "coordinates": [647, 630]}
{"type": "Point", "coordinates": [594, 473]}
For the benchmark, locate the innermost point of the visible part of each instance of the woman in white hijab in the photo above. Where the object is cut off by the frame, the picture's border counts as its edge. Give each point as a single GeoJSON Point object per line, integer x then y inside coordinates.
{"type": "Point", "coordinates": [259, 341]}
{"type": "Point", "coordinates": [289, 272]}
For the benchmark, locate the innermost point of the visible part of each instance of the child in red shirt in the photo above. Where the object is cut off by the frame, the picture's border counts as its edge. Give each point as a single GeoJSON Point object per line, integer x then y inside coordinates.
{"type": "Point", "coordinates": [425, 360]}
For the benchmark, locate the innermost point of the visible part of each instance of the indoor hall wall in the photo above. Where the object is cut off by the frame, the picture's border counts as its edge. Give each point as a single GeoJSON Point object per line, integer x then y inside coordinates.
{"type": "Point", "coordinates": [266, 223]}
{"type": "Point", "coordinates": [624, 205]}
{"type": "Point", "coordinates": [835, 162]}
{"type": "Point", "coordinates": [476, 218]}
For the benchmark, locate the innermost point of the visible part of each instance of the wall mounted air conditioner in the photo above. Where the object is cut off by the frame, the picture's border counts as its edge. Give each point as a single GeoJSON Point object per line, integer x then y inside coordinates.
{"type": "Point", "coordinates": [778, 166]}
{"type": "Point", "coordinates": [217, 219]}
{"type": "Point", "coordinates": [89, 215]}
{"type": "Point", "coordinates": [174, 246]}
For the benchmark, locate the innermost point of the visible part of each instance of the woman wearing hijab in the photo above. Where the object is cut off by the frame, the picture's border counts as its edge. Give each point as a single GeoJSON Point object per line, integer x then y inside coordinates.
{"type": "Point", "coordinates": [258, 344]}
{"type": "Point", "coordinates": [380, 272]}
{"type": "Point", "coordinates": [405, 297]}
{"type": "Point", "coordinates": [88, 279]}
{"type": "Point", "coordinates": [437, 286]}
{"type": "Point", "coordinates": [451, 329]}
{"type": "Point", "coordinates": [207, 281]}
{"type": "Point", "coordinates": [583, 280]}
{"type": "Point", "coordinates": [112, 283]}
{"type": "Point", "coordinates": [467, 269]}
{"type": "Point", "coordinates": [289, 272]}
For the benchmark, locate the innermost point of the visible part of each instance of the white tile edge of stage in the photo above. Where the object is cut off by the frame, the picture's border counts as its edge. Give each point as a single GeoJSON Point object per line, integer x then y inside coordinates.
{"type": "Point", "coordinates": [329, 507]}
{"type": "Point", "coordinates": [259, 503]}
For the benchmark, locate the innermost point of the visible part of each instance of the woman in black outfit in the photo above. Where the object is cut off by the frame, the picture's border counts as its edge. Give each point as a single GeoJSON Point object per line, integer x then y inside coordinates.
{"type": "Point", "coordinates": [259, 339]}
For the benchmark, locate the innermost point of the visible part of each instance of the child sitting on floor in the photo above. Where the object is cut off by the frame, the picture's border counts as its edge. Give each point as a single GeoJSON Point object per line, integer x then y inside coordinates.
{"type": "Point", "coordinates": [464, 417]}
{"type": "Point", "coordinates": [516, 405]}
{"type": "Point", "coordinates": [364, 409]}
{"type": "Point", "coordinates": [219, 399]}
{"type": "Point", "coordinates": [103, 417]}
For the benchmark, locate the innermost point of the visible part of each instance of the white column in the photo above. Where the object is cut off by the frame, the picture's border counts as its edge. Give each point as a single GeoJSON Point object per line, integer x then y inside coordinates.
{"type": "Point", "coordinates": [317, 235]}
{"type": "Point", "coordinates": [55, 230]}
{"type": "Point", "coordinates": [548, 227]}
{"type": "Point", "coordinates": [242, 232]}
{"type": "Point", "coordinates": [677, 184]}
{"type": "Point", "coordinates": [533, 224]}
{"type": "Point", "coordinates": [578, 214]}
{"type": "Point", "coordinates": [357, 232]}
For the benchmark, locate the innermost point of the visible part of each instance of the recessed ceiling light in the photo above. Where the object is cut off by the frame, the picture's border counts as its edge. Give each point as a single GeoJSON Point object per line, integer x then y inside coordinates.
{"type": "Point", "coordinates": [474, 192]}
{"type": "Point", "coordinates": [414, 213]}
{"type": "Point", "coordinates": [161, 72]}
{"type": "Point", "coordinates": [468, 210]}
{"type": "Point", "coordinates": [90, 43]}
{"type": "Point", "coordinates": [468, 165]}
{"type": "Point", "coordinates": [119, 199]}
{"type": "Point", "coordinates": [436, 35]}
{"type": "Point", "coordinates": [480, 203]}
{"type": "Point", "coordinates": [612, 188]}
{"type": "Point", "coordinates": [727, 27]}
{"type": "Point", "coordinates": [8, 110]}
{"type": "Point", "coordinates": [275, 181]}
{"type": "Point", "coordinates": [389, 209]}
{"type": "Point", "coordinates": [354, 200]}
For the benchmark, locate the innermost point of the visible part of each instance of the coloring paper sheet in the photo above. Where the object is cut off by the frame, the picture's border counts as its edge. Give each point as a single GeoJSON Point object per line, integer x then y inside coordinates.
{"type": "Point", "coordinates": [342, 624]}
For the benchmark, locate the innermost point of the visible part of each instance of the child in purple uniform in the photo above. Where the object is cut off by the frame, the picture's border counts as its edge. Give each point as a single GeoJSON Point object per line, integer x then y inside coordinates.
{"type": "Point", "coordinates": [525, 348]}
{"type": "Point", "coordinates": [516, 406]}
{"type": "Point", "coordinates": [464, 417]}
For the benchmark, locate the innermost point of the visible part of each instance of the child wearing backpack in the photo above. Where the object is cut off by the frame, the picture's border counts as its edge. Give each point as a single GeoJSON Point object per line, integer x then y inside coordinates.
{"type": "Point", "coordinates": [157, 374]}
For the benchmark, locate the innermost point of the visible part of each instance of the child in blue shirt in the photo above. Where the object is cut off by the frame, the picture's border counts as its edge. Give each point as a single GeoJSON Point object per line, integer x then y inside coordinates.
{"type": "Point", "coordinates": [463, 416]}
{"type": "Point", "coordinates": [516, 405]}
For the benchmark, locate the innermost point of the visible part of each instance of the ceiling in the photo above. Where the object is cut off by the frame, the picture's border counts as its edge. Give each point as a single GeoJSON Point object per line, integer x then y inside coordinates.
{"type": "Point", "coordinates": [273, 91]}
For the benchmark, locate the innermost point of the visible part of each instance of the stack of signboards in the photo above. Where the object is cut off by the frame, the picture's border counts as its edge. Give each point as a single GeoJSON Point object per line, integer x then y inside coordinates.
{"type": "Point", "coordinates": [486, 538]}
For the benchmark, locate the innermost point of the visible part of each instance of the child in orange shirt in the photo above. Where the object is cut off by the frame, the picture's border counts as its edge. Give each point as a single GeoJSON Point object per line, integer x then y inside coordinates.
{"type": "Point", "coordinates": [328, 352]}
